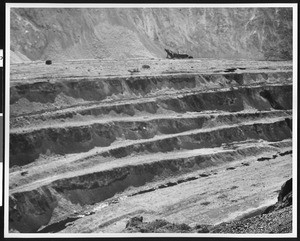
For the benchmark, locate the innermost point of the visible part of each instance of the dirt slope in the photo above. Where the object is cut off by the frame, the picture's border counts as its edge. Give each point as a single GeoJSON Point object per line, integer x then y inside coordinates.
{"type": "Point", "coordinates": [274, 221]}
{"type": "Point", "coordinates": [232, 33]}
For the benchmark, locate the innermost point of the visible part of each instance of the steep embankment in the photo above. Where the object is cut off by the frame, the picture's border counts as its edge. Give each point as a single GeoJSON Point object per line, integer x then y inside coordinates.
{"type": "Point", "coordinates": [231, 33]}
{"type": "Point", "coordinates": [89, 151]}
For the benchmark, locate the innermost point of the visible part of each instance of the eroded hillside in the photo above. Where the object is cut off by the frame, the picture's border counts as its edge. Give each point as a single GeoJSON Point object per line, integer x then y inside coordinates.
{"type": "Point", "coordinates": [231, 33]}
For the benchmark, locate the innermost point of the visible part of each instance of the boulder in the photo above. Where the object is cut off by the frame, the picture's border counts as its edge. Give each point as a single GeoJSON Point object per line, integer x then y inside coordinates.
{"type": "Point", "coordinates": [285, 197]}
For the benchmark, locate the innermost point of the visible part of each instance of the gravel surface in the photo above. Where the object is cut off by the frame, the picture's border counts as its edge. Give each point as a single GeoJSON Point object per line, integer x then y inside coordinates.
{"type": "Point", "coordinates": [275, 219]}
{"type": "Point", "coordinates": [276, 222]}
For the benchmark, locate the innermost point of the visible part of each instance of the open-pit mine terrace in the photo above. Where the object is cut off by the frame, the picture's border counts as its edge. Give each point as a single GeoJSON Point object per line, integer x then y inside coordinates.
{"type": "Point", "coordinates": [190, 141]}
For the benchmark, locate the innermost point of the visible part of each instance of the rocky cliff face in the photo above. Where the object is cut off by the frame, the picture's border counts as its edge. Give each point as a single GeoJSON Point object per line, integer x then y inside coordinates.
{"type": "Point", "coordinates": [232, 33]}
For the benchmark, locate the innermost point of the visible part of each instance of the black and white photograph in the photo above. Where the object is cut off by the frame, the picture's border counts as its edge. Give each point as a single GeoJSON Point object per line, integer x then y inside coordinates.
{"type": "Point", "coordinates": [151, 120]}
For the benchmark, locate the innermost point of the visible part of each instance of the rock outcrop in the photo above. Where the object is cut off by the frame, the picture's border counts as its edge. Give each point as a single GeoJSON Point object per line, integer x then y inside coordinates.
{"type": "Point", "coordinates": [136, 225]}
{"type": "Point", "coordinates": [284, 198]}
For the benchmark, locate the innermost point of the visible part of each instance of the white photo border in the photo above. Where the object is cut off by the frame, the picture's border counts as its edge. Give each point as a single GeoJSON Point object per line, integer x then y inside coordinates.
{"type": "Point", "coordinates": [8, 6]}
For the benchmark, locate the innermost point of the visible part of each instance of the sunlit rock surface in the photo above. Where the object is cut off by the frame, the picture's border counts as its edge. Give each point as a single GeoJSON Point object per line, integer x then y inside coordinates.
{"type": "Point", "coordinates": [231, 33]}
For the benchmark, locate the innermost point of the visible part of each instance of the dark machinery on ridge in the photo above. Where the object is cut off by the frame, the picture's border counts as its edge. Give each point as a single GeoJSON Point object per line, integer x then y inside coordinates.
{"type": "Point", "coordinates": [173, 55]}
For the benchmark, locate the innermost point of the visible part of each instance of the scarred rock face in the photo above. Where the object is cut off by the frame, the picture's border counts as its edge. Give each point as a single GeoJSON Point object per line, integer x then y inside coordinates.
{"type": "Point", "coordinates": [38, 205]}
{"type": "Point", "coordinates": [231, 33]}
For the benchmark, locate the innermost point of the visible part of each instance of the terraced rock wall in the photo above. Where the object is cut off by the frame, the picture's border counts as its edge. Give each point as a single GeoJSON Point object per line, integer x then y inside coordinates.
{"type": "Point", "coordinates": [153, 128]}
